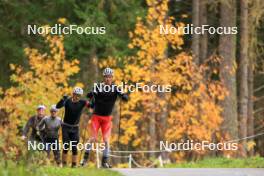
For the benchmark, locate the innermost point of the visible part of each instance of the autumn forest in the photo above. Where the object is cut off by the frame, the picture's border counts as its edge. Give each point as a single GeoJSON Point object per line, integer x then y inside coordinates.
{"type": "Point", "coordinates": [217, 84]}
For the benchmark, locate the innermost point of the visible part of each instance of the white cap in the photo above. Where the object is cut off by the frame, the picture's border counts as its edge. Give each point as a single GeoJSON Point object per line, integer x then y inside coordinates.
{"type": "Point", "coordinates": [53, 108]}
{"type": "Point", "coordinates": [41, 107]}
{"type": "Point", "coordinates": [108, 72]}
{"type": "Point", "coordinates": [78, 90]}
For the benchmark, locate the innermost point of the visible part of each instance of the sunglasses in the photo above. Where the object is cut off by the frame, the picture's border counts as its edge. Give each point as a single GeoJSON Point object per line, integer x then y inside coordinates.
{"type": "Point", "coordinates": [77, 95]}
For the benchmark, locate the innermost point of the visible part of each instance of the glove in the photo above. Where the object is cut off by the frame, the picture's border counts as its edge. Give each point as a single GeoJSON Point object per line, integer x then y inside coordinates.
{"type": "Point", "coordinates": [65, 97]}
{"type": "Point", "coordinates": [125, 97]}
{"type": "Point", "coordinates": [92, 104]}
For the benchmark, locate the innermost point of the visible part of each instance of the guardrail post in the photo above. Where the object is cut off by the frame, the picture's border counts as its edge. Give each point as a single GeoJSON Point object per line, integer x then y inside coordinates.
{"type": "Point", "coordinates": [160, 161]}
{"type": "Point", "coordinates": [130, 161]}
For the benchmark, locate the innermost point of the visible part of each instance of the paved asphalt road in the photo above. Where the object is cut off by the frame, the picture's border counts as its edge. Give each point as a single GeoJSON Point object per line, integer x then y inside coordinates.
{"type": "Point", "coordinates": [192, 172]}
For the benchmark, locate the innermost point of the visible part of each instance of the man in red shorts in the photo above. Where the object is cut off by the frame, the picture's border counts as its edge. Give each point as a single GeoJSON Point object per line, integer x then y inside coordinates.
{"type": "Point", "coordinates": [103, 97]}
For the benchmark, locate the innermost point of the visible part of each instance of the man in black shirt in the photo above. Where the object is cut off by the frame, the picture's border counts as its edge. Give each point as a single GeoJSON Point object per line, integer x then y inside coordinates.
{"type": "Point", "coordinates": [104, 99]}
{"type": "Point", "coordinates": [70, 126]}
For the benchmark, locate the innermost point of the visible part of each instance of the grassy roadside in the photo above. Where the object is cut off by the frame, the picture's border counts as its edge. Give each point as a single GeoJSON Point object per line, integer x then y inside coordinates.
{"type": "Point", "coordinates": [34, 170]}
{"type": "Point", "coordinates": [55, 171]}
{"type": "Point", "coordinates": [254, 162]}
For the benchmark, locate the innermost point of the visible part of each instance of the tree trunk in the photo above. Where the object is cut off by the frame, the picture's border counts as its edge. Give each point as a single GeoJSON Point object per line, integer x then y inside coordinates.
{"type": "Point", "coordinates": [227, 51]}
{"type": "Point", "coordinates": [252, 56]}
{"type": "Point", "coordinates": [152, 133]}
{"type": "Point", "coordinates": [195, 37]}
{"type": "Point", "coordinates": [243, 76]}
{"type": "Point", "coordinates": [89, 68]}
{"type": "Point", "coordinates": [96, 68]}
{"type": "Point", "coordinates": [162, 126]}
{"type": "Point", "coordinates": [203, 38]}
{"type": "Point", "coordinates": [250, 122]}
{"type": "Point", "coordinates": [255, 12]}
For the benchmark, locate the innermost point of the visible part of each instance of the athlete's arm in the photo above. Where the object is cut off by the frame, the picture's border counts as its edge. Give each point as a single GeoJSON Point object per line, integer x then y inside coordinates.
{"type": "Point", "coordinates": [90, 103]}
{"type": "Point", "coordinates": [94, 92]}
{"type": "Point", "coordinates": [27, 126]}
{"type": "Point", "coordinates": [90, 95]}
{"type": "Point", "coordinates": [62, 102]}
{"type": "Point", "coordinates": [86, 103]}
{"type": "Point", "coordinates": [122, 95]}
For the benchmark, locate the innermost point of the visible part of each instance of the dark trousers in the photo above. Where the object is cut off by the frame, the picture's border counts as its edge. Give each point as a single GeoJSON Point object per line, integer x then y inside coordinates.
{"type": "Point", "coordinates": [53, 144]}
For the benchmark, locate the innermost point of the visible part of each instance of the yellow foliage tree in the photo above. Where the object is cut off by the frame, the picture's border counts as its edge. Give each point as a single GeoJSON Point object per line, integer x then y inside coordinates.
{"type": "Point", "coordinates": [190, 109]}
{"type": "Point", "coordinates": [44, 82]}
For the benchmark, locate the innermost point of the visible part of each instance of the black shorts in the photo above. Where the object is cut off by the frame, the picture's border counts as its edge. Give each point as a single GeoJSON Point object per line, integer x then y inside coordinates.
{"type": "Point", "coordinates": [70, 134]}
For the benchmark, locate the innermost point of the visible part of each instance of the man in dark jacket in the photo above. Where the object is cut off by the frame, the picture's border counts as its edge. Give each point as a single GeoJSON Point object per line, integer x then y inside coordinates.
{"type": "Point", "coordinates": [32, 123]}
{"type": "Point", "coordinates": [51, 125]}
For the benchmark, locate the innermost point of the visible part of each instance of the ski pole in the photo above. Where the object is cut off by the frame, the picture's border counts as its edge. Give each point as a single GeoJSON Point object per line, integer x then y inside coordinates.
{"type": "Point", "coordinates": [119, 125]}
